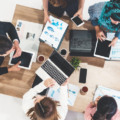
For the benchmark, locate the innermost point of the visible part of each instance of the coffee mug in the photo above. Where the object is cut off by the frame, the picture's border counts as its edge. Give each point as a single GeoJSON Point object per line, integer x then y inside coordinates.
{"type": "Point", "coordinates": [63, 52]}
{"type": "Point", "coordinates": [84, 90]}
{"type": "Point", "coordinates": [40, 58]}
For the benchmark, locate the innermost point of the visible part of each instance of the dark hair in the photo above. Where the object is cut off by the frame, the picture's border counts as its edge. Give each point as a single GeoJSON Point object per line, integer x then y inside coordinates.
{"type": "Point", "coordinates": [44, 110]}
{"type": "Point", "coordinates": [116, 16]}
{"type": "Point", "coordinates": [5, 44]}
{"type": "Point", "coordinates": [106, 108]}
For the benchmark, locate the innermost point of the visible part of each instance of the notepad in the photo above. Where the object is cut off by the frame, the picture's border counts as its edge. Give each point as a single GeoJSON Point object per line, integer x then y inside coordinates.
{"type": "Point", "coordinates": [54, 32]}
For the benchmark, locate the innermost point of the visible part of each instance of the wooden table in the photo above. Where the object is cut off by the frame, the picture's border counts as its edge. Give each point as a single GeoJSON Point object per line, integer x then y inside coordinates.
{"type": "Point", "coordinates": [98, 72]}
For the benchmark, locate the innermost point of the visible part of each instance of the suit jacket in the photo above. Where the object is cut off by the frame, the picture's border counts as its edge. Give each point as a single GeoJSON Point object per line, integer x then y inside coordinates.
{"type": "Point", "coordinates": [7, 28]}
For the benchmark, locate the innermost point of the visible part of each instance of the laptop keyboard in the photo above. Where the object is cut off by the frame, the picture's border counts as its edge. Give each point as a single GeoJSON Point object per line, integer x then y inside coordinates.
{"type": "Point", "coordinates": [53, 72]}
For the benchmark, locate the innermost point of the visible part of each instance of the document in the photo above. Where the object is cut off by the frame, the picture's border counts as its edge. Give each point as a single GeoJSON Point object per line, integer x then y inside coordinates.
{"type": "Point", "coordinates": [115, 51]}
{"type": "Point", "coordinates": [73, 92]}
{"type": "Point", "coordinates": [53, 32]}
{"type": "Point", "coordinates": [101, 91]}
{"type": "Point", "coordinates": [29, 33]}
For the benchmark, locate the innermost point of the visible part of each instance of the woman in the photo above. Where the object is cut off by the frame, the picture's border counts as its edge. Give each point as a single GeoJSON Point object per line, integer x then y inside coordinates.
{"type": "Point", "coordinates": [58, 7]}
{"type": "Point", "coordinates": [103, 108]}
{"type": "Point", "coordinates": [105, 16]}
{"type": "Point", "coordinates": [42, 107]}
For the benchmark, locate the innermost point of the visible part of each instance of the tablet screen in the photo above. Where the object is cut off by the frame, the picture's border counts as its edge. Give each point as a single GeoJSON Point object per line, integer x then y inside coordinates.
{"type": "Point", "coordinates": [102, 48]}
{"type": "Point", "coordinates": [25, 59]}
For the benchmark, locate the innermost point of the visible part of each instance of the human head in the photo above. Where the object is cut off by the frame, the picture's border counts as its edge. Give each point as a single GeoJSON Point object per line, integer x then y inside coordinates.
{"type": "Point", "coordinates": [6, 46]}
{"type": "Point", "coordinates": [106, 108]}
{"type": "Point", "coordinates": [45, 109]}
{"type": "Point", "coordinates": [115, 18]}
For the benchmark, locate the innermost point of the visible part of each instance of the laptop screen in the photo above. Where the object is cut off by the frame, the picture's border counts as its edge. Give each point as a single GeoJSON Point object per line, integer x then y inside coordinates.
{"type": "Point", "coordinates": [59, 61]}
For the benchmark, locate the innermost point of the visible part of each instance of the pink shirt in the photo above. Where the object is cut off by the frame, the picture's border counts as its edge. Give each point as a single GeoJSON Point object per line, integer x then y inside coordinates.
{"type": "Point", "coordinates": [90, 111]}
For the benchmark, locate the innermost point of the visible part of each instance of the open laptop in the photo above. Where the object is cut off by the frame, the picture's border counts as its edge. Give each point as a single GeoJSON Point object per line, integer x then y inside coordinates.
{"type": "Point", "coordinates": [55, 67]}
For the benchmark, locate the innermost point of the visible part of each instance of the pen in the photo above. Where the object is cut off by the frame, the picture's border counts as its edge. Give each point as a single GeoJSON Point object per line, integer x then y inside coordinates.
{"type": "Point", "coordinates": [68, 89]}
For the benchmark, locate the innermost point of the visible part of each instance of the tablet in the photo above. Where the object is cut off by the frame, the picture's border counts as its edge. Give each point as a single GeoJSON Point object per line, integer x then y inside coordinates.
{"type": "Point", "coordinates": [26, 59]}
{"type": "Point", "coordinates": [102, 50]}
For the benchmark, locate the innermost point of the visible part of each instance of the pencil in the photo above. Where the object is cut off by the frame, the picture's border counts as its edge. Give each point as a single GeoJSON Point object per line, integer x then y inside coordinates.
{"type": "Point", "coordinates": [68, 89]}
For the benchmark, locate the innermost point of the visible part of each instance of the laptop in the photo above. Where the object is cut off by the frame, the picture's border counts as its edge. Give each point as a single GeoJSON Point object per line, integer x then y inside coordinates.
{"type": "Point", "coordinates": [82, 42]}
{"type": "Point", "coordinates": [55, 67]}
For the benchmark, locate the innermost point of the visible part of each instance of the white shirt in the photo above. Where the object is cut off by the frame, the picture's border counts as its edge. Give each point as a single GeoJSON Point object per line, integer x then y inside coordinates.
{"type": "Point", "coordinates": [28, 101]}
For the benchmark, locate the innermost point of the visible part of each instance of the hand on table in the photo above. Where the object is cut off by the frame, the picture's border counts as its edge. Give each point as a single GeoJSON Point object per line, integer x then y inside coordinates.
{"type": "Point", "coordinates": [46, 18]}
{"type": "Point", "coordinates": [17, 49]}
{"type": "Point", "coordinates": [66, 82]}
{"type": "Point", "coordinates": [14, 67]}
{"type": "Point", "coordinates": [100, 35]}
{"type": "Point", "coordinates": [49, 82]}
{"type": "Point", "coordinates": [113, 41]}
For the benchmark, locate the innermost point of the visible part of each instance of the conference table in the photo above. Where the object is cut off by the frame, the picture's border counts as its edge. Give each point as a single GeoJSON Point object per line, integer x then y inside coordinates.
{"type": "Point", "coordinates": [99, 71]}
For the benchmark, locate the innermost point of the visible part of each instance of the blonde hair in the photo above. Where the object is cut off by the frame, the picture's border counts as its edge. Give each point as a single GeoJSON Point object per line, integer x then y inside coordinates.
{"type": "Point", "coordinates": [44, 110]}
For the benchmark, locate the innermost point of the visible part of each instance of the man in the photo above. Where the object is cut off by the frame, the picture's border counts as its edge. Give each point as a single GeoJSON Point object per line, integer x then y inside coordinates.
{"type": "Point", "coordinates": [8, 45]}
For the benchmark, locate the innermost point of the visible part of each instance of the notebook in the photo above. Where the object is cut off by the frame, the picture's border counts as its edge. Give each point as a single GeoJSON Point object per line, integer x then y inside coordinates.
{"type": "Point", "coordinates": [55, 67]}
{"type": "Point", "coordinates": [54, 32]}
{"type": "Point", "coordinates": [82, 42]}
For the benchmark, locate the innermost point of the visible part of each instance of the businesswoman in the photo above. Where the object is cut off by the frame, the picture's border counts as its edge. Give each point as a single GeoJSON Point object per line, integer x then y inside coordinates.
{"type": "Point", "coordinates": [58, 7]}
{"type": "Point", "coordinates": [103, 108]}
{"type": "Point", "coordinates": [105, 16]}
{"type": "Point", "coordinates": [42, 107]}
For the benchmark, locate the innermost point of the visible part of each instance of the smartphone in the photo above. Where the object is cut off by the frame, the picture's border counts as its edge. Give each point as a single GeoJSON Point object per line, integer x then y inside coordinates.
{"type": "Point", "coordinates": [82, 75]}
{"type": "Point", "coordinates": [77, 21]}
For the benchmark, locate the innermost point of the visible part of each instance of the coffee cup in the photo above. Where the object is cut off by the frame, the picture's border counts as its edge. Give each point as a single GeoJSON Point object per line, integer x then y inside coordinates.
{"type": "Point", "coordinates": [84, 90]}
{"type": "Point", "coordinates": [63, 52]}
{"type": "Point", "coordinates": [40, 58]}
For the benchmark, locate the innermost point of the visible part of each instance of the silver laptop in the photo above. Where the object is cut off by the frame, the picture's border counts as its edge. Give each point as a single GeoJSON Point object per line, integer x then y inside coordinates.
{"type": "Point", "coordinates": [55, 67]}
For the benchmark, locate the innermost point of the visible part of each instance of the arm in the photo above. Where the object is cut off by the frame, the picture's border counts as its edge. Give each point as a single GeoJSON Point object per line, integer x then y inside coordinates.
{"type": "Point", "coordinates": [28, 101]}
{"type": "Point", "coordinates": [63, 108]}
{"type": "Point", "coordinates": [46, 16]}
{"type": "Point", "coordinates": [115, 39]}
{"type": "Point", "coordinates": [80, 9]}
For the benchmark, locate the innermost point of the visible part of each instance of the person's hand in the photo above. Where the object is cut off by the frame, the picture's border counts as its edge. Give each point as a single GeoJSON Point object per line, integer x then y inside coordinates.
{"type": "Point", "coordinates": [100, 35]}
{"type": "Point", "coordinates": [17, 49]}
{"type": "Point", "coordinates": [113, 41]}
{"type": "Point", "coordinates": [66, 82]}
{"type": "Point", "coordinates": [79, 13]}
{"type": "Point", "coordinates": [14, 67]}
{"type": "Point", "coordinates": [46, 18]}
{"type": "Point", "coordinates": [97, 99]}
{"type": "Point", "coordinates": [49, 82]}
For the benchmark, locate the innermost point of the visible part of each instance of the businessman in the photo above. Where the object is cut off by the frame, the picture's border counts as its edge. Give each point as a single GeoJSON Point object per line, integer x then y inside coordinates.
{"type": "Point", "coordinates": [7, 30]}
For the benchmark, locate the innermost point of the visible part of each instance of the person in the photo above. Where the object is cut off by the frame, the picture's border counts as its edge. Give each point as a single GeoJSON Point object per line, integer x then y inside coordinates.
{"type": "Point", "coordinates": [103, 108]}
{"type": "Point", "coordinates": [38, 107]}
{"type": "Point", "coordinates": [58, 7]}
{"type": "Point", "coordinates": [105, 17]}
{"type": "Point", "coordinates": [8, 45]}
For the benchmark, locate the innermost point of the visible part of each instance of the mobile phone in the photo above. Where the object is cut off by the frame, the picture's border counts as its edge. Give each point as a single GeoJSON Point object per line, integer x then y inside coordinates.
{"type": "Point", "coordinates": [82, 75]}
{"type": "Point", "coordinates": [77, 21]}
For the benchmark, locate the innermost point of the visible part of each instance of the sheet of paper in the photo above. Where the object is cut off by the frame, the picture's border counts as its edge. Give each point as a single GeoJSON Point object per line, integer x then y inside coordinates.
{"type": "Point", "coordinates": [115, 51]}
{"type": "Point", "coordinates": [73, 91]}
{"type": "Point", "coordinates": [101, 91]}
{"type": "Point", "coordinates": [29, 33]}
{"type": "Point", "coordinates": [53, 32]}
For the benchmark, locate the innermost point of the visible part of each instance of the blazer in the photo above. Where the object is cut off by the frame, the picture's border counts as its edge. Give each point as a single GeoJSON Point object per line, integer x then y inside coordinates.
{"type": "Point", "coordinates": [7, 28]}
